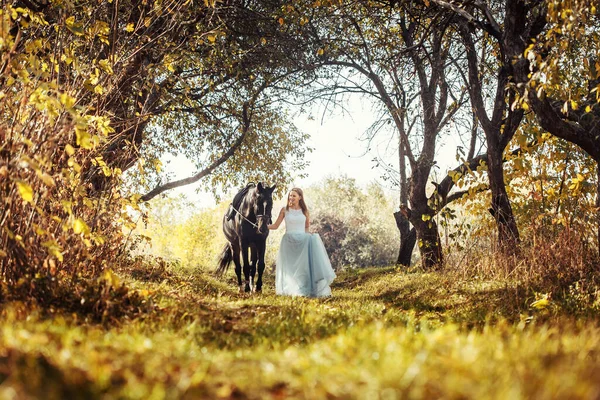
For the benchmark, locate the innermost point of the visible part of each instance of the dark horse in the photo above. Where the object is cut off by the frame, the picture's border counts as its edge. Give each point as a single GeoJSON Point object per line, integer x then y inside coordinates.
{"type": "Point", "coordinates": [245, 227]}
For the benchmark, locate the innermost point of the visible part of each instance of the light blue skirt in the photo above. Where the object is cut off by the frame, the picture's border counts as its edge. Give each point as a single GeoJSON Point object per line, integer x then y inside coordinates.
{"type": "Point", "coordinates": [303, 266]}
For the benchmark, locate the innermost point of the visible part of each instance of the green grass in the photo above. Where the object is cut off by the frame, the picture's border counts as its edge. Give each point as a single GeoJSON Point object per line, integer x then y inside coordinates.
{"type": "Point", "coordinates": [385, 334]}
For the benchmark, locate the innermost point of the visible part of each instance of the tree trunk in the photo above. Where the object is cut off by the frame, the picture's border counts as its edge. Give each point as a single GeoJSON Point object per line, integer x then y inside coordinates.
{"type": "Point", "coordinates": [501, 210]}
{"type": "Point", "coordinates": [422, 219]}
{"type": "Point", "coordinates": [430, 246]}
{"type": "Point", "coordinates": [598, 202]}
{"type": "Point", "coordinates": [407, 242]}
{"type": "Point", "coordinates": [408, 238]}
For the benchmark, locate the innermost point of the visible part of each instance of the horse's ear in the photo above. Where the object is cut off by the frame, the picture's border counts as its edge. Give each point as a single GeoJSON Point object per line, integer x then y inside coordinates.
{"type": "Point", "coordinates": [260, 186]}
{"type": "Point", "coordinates": [272, 188]}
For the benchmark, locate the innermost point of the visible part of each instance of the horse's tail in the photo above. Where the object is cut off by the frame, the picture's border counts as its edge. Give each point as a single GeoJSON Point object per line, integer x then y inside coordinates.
{"type": "Point", "coordinates": [224, 261]}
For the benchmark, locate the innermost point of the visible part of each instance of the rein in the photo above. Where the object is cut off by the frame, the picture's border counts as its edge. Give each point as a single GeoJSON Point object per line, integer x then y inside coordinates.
{"type": "Point", "coordinates": [246, 219]}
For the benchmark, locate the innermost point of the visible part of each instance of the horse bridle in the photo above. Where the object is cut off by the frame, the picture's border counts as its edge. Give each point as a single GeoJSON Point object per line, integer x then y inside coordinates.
{"type": "Point", "coordinates": [247, 220]}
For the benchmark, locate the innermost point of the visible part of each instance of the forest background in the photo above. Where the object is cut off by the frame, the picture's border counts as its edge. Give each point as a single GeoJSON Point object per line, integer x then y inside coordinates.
{"type": "Point", "coordinates": [94, 95]}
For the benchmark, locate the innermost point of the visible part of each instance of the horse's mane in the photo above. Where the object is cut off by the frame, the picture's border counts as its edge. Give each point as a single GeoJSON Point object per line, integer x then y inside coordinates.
{"type": "Point", "coordinates": [239, 197]}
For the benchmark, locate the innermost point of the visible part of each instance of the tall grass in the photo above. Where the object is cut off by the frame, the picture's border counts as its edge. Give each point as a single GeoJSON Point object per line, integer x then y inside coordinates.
{"type": "Point", "coordinates": [386, 333]}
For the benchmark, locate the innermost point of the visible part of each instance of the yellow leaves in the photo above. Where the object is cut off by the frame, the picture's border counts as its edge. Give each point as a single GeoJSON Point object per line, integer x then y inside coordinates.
{"type": "Point", "coordinates": [588, 109]}
{"type": "Point", "coordinates": [75, 27]}
{"type": "Point", "coordinates": [426, 217]}
{"type": "Point", "coordinates": [94, 78]}
{"type": "Point", "coordinates": [130, 27]}
{"type": "Point", "coordinates": [263, 41]}
{"type": "Point", "coordinates": [25, 190]}
{"type": "Point", "coordinates": [320, 52]}
{"type": "Point", "coordinates": [281, 21]}
{"type": "Point", "coordinates": [79, 226]}
{"type": "Point", "coordinates": [529, 53]}
{"type": "Point", "coordinates": [102, 30]}
{"type": "Point", "coordinates": [574, 105]}
{"type": "Point", "coordinates": [576, 182]}
{"type": "Point", "coordinates": [111, 279]}
{"type": "Point", "coordinates": [102, 125]}
{"type": "Point", "coordinates": [66, 100]}
{"type": "Point", "coordinates": [542, 302]}
{"type": "Point", "coordinates": [157, 165]}
{"type": "Point", "coordinates": [44, 102]}
{"type": "Point", "coordinates": [212, 38]}
{"type": "Point", "coordinates": [70, 150]}
{"type": "Point", "coordinates": [53, 249]}
{"type": "Point", "coordinates": [84, 126]}
{"type": "Point", "coordinates": [105, 66]}
{"type": "Point", "coordinates": [98, 161]}
{"type": "Point", "coordinates": [74, 164]}
{"type": "Point", "coordinates": [83, 137]}
{"type": "Point", "coordinates": [47, 179]}
{"type": "Point", "coordinates": [454, 175]}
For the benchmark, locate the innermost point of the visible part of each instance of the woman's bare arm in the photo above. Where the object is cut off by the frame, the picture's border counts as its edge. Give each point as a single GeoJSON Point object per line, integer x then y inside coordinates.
{"type": "Point", "coordinates": [279, 219]}
{"type": "Point", "coordinates": [307, 223]}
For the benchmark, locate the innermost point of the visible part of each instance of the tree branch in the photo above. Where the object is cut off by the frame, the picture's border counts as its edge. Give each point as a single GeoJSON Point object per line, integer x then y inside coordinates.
{"type": "Point", "coordinates": [246, 119]}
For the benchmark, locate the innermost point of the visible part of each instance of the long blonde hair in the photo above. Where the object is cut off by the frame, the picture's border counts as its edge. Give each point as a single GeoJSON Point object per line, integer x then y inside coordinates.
{"type": "Point", "coordinates": [301, 202]}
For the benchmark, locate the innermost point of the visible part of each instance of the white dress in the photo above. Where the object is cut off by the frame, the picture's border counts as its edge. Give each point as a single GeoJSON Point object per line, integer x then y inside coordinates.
{"type": "Point", "coordinates": [303, 266]}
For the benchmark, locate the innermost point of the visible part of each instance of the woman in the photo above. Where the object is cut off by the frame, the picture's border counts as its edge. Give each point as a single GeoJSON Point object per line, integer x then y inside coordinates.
{"type": "Point", "coordinates": [303, 267]}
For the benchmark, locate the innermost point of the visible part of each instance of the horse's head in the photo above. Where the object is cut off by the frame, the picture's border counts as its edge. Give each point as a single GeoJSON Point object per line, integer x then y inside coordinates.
{"type": "Point", "coordinates": [263, 205]}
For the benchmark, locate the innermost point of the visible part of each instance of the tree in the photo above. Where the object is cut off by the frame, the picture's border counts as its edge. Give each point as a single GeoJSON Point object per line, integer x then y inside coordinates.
{"type": "Point", "coordinates": [84, 83]}
{"type": "Point", "coordinates": [564, 82]}
{"type": "Point", "coordinates": [374, 50]}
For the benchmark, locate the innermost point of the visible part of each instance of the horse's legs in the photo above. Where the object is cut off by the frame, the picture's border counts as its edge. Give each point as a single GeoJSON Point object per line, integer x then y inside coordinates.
{"type": "Point", "coordinates": [246, 266]}
{"type": "Point", "coordinates": [260, 250]}
{"type": "Point", "coordinates": [253, 259]}
{"type": "Point", "coordinates": [235, 251]}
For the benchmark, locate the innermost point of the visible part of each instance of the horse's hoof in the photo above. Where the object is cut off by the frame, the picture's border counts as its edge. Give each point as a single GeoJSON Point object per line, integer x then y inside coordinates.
{"type": "Point", "coordinates": [257, 290]}
{"type": "Point", "coordinates": [241, 288]}
{"type": "Point", "coordinates": [247, 288]}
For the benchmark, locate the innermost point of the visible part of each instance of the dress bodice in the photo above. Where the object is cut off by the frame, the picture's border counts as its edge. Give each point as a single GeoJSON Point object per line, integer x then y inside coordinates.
{"type": "Point", "coordinates": [295, 221]}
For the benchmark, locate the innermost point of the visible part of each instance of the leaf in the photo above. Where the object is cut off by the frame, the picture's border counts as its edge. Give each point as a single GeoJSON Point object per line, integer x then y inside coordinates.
{"type": "Point", "coordinates": [66, 100]}
{"type": "Point", "coordinates": [425, 217]}
{"type": "Point", "coordinates": [541, 303]}
{"type": "Point", "coordinates": [79, 226]}
{"type": "Point", "coordinates": [83, 138]}
{"type": "Point", "coordinates": [76, 28]}
{"type": "Point", "coordinates": [129, 27]}
{"type": "Point", "coordinates": [574, 105]}
{"type": "Point", "coordinates": [105, 66]}
{"type": "Point", "coordinates": [111, 278]}
{"type": "Point", "coordinates": [53, 249]}
{"type": "Point", "coordinates": [70, 150]}
{"type": "Point", "coordinates": [46, 178]}
{"type": "Point", "coordinates": [25, 191]}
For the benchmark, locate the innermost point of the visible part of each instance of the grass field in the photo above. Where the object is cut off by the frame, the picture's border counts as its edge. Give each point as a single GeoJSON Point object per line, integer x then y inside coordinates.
{"type": "Point", "coordinates": [385, 334]}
